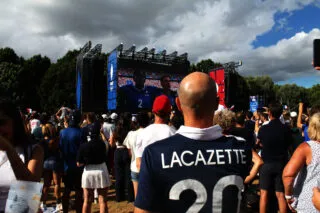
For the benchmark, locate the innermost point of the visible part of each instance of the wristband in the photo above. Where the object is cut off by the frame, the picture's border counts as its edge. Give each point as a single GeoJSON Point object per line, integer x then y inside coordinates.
{"type": "Point", "coordinates": [288, 197]}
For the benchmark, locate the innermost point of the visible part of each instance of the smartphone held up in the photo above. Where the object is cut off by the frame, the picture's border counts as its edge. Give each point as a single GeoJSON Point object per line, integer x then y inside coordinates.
{"type": "Point", "coordinates": [316, 53]}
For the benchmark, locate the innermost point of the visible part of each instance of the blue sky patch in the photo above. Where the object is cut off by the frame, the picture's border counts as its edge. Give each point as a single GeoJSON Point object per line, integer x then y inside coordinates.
{"type": "Point", "coordinates": [287, 24]}
{"type": "Point", "coordinates": [305, 81]}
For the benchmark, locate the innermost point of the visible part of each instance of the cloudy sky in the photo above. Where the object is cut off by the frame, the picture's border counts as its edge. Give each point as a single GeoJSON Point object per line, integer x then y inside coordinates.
{"type": "Point", "coordinates": [271, 37]}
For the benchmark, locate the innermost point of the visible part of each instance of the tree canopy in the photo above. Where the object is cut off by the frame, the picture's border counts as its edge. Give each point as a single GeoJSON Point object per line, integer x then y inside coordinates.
{"type": "Point", "coordinates": [38, 83]}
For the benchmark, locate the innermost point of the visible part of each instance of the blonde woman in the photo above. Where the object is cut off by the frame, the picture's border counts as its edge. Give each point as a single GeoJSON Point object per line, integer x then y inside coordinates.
{"type": "Point", "coordinates": [225, 119]}
{"type": "Point", "coordinates": [306, 159]}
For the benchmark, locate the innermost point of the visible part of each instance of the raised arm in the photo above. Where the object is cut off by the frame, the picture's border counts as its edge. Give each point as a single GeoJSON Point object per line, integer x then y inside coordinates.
{"type": "Point", "coordinates": [58, 113]}
{"type": "Point", "coordinates": [299, 121]}
{"type": "Point", "coordinates": [30, 172]}
{"type": "Point", "coordinates": [257, 163]}
{"type": "Point", "coordinates": [316, 198]}
{"type": "Point", "coordinates": [302, 156]}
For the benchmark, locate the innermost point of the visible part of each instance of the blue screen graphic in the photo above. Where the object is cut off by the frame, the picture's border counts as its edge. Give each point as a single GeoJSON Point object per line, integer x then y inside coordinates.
{"type": "Point", "coordinates": [112, 81]}
{"type": "Point", "coordinates": [253, 103]}
{"type": "Point", "coordinates": [78, 90]}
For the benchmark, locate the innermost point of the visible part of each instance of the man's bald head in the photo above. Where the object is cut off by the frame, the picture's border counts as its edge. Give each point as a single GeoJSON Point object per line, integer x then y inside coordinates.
{"type": "Point", "coordinates": [198, 93]}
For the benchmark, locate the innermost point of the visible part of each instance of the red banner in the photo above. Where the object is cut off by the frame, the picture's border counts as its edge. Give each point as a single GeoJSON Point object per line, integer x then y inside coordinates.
{"type": "Point", "coordinates": [218, 77]}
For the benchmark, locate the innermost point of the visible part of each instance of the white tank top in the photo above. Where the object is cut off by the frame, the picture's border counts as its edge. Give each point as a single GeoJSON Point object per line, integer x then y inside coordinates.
{"type": "Point", "coordinates": [310, 180]}
{"type": "Point", "coordinates": [7, 175]}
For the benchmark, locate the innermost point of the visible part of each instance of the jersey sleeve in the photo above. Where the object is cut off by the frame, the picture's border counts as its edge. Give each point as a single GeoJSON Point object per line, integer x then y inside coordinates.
{"type": "Point", "coordinates": [147, 198]}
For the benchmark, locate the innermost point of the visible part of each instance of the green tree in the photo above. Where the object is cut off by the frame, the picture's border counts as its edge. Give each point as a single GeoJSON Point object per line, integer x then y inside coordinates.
{"type": "Point", "coordinates": [204, 66]}
{"type": "Point", "coordinates": [30, 80]}
{"type": "Point", "coordinates": [192, 68]}
{"type": "Point", "coordinates": [313, 95]}
{"type": "Point", "coordinates": [59, 82]}
{"type": "Point", "coordinates": [9, 84]}
{"type": "Point", "coordinates": [262, 86]}
{"type": "Point", "coordinates": [8, 55]}
{"type": "Point", "coordinates": [291, 95]}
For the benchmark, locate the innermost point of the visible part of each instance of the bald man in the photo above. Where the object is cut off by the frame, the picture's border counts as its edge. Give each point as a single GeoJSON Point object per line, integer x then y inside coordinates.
{"type": "Point", "coordinates": [198, 169]}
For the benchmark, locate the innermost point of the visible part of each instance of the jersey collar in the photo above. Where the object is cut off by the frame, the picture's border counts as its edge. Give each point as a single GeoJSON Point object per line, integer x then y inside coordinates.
{"type": "Point", "coordinates": [210, 133]}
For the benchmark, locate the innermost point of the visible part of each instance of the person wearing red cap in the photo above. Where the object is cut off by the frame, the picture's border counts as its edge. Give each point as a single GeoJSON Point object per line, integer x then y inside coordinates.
{"type": "Point", "coordinates": [198, 169]}
{"type": "Point", "coordinates": [158, 130]}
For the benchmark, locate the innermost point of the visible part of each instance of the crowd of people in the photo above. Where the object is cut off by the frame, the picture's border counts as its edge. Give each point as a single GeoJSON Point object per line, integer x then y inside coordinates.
{"type": "Point", "coordinates": [186, 157]}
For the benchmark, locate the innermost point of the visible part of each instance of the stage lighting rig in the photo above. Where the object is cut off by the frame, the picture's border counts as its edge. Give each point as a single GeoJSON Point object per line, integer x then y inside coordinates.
{"type": "Point", "coordinates": [173, 54]}
{"type": "Point", "coordinates": [93, 52]}
{"type": "Point", "coordinates": [129, 52]}
{"type": "Point", "coordinates": [85, 48]}
{"type": "Point", "coordinates": [163, 54]}
{"type": "Point", "coordinates": [152, 51]}
{"type": "Point", "coordinates": [171, 57]}
{"type": "Point", "coordinates": [142, 54]}
{"type": "Point", "coordinates": [233, 64]}
{"type": "Point", "coordinates": [83, 51]}
{"type": "Point", "coordinates": [150, 56]}
{"type": "Point", "coordinates": [119, 48]}
{"type": "Point", "coordinates": [160, 56]}
{"type": "Point", "coordinates": [184, 56]}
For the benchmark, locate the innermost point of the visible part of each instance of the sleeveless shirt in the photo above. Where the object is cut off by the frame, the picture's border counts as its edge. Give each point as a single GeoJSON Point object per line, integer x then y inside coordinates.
{"type": "Point", "coordinates": [312, 176]}
{"type": "Point", "coordinates": [9, 177]}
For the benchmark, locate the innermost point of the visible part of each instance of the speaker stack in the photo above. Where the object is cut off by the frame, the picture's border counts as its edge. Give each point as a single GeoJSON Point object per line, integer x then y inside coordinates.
{"type": "Point", "coordinates": [91, 82]}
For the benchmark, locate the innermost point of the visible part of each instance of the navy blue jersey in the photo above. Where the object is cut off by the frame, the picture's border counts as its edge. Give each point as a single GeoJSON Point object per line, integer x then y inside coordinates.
{"type": "Point", "coordinates": [179, 174]}
{"type": "Point", "coordinates": [172, 96]}
{"type": "Point", "coordinates": [132, 99]}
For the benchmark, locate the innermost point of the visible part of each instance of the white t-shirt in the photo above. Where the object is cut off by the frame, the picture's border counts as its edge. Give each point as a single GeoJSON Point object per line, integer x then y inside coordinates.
{"type": "Point", "coordinates": [107, 129]}
{"type": "Point", "coordinates": [130, 143]}
{"type": "Point", "coordinates": [151, 134]}
{"type": "Point", "coordinates": [64, 112]}
{"type": "Point", "coordinates": [34, 123]}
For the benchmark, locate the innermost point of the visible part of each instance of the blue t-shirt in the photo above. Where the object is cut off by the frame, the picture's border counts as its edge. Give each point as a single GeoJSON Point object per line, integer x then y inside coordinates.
{"type": "Point", "coordinates": [305, 132]}
{"type": "Point", "coordinates": [132, 99]}
{"type": "Point", "coordinates": [70, 140]}
{"type": "Point", "coordinates": [180, 174]}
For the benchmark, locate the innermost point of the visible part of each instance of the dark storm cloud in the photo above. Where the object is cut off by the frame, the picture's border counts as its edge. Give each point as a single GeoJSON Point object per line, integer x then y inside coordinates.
{"type": "Point", "coordinates": [126, 19]}
{"type": "Point", "coordinates": [222, 30]}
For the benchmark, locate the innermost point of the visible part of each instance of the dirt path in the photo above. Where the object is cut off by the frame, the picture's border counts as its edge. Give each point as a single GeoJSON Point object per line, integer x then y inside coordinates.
{"type": "Point", "coordinates": [114, 207]}
{"type": "Point", "coordinates": [120, 207]}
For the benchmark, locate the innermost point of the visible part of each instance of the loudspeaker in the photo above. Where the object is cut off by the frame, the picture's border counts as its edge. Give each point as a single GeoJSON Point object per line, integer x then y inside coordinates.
{"type": "Point", "coordinates": [93, 87]}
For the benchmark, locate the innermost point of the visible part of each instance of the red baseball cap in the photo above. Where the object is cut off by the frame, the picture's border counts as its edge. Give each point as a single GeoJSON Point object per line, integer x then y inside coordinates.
{"type": "Point", "coordinates": [161, 105]}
